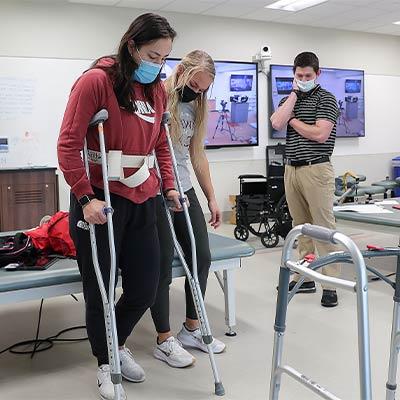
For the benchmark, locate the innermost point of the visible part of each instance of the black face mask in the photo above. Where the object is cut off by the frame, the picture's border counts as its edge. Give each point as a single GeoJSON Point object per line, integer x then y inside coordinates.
{"type": "Point", "coordinates": [187, 94]}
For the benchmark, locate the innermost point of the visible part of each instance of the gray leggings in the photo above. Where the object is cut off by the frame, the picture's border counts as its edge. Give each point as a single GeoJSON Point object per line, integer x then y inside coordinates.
{"type": "Point", "coordinates": [160, 309]}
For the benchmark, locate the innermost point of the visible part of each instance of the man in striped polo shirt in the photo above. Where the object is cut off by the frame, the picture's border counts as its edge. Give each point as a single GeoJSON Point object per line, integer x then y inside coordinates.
{"type": "Point", "coordinates": [310, 113]}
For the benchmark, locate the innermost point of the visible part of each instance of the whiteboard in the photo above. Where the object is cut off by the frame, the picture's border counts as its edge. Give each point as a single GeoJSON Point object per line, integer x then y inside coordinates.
{"type": "Point", "coordinates": [33, 96]}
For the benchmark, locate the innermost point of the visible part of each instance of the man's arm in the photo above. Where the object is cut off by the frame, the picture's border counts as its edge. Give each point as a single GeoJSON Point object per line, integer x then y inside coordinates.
{"type": "Point", "coordinates": [326, 116]}
{"type": "Point", "coordinates": [282, 115]}
{"type": "Point", "coordinates": [319, 132]}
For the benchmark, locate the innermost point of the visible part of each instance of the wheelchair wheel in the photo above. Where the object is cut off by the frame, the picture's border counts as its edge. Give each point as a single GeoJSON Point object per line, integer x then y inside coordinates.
{"type": "Point", "coordinates": [270, 239]}
{"type": "Point", "coordinates": [241, 233]}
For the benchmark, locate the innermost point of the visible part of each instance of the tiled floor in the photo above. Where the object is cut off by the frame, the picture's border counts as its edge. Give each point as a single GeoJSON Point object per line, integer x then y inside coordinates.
{"type": "Point", "coordinates": [321, 343]}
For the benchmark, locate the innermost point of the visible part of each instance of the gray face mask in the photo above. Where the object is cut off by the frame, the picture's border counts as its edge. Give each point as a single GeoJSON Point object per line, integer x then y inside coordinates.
{"type": "Point", "coordinates": [306, 86]}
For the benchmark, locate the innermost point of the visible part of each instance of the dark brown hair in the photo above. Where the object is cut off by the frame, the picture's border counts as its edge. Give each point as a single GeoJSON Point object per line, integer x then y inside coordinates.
{"type": "Point", "coordinates": [306, 59]}
{"type": "Point", "coordinates": [143, 30]}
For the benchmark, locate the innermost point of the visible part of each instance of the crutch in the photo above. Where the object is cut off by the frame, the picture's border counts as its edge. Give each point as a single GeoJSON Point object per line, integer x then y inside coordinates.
{"type": "Point", "coordinates": [192, 277]}
{"type": "Point", "coordinates": [360, 287]}
{"type": "Point", "coordinates": [108, 301]}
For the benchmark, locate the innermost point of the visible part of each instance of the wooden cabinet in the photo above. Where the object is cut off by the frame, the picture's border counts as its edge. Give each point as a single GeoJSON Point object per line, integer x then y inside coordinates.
{"type": "Point", "coordinates": [26, 195]}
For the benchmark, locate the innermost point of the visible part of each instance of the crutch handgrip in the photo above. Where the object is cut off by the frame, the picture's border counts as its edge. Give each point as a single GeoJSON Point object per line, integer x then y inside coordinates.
{"type": "Point", "coordinates": [99, 117]}
{"type": "Point", "coordinates": [166, 117]}
{"type": "Point", "coordinates": [319, 233]}
{"type": "Point", "coordinates": [108, 210]}
{"type": "Point", "coordinates": [183, 199]}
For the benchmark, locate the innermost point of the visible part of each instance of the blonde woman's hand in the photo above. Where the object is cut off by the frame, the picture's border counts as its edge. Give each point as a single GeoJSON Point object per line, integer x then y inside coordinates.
{"type": "Point", "coordinates": [216, 215]}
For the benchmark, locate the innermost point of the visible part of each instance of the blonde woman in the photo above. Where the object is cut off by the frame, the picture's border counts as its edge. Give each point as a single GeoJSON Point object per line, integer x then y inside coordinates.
{"type": "Point", "coordinates": [187, 101]}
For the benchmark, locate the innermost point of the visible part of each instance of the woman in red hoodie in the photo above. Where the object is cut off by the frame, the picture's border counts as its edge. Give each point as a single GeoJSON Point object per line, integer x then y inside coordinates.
{"type": "Point", "coordinates": [128, 86]}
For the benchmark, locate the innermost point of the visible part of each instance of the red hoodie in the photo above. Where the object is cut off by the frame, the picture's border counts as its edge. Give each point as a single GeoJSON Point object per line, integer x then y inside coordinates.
{"type": "Point", "coordinates": [134, 134]}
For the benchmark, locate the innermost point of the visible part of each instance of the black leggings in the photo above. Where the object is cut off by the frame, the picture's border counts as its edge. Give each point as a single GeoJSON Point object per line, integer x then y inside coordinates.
{"type": "Point", "coordinates": [160, 309]}
{"type": "Point", "coordinates": [138, 258]}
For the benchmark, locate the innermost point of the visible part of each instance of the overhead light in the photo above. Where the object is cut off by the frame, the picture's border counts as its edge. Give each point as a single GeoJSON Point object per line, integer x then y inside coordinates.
{"type": "Point", "coordinates": [397, 23]}
{"type": "Point", "coordinates": [294, 5]}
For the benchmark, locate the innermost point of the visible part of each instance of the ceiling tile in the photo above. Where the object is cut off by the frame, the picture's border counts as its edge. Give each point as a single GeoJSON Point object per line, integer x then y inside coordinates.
{"type": "Point", "coordinates": [145, 4]}
{"type": "Point", "coordinates": [369, 23]}
{"type": "Point", "coordinates": [231, 10]}
{"type": "Point", "coordinates": [386, 5]}
{"type": "Point", "coordinates": [185, 6]}
{"type": "Point", "coordinates": [331, 22]}
{"type": "Point", "coordinates": [95, 2]}
{"type": "Point", "coordinates": [388, 30]}
{"type": "Point", "coordinates": [266, 14]}
{"type": "Point", "coordinates": [356, 3]}
{"type": "Point", "coordinates": [357, 15]}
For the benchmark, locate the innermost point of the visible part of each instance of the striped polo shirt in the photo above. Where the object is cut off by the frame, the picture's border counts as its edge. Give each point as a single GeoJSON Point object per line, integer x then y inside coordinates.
{"type": "Point", "coordinates": [310, 107]}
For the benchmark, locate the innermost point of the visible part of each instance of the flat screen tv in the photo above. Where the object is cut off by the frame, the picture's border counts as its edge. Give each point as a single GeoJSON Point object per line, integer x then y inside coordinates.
{"type": "Point", "coordinates": [232, 104]}
{"type": "Point", "coordinates": [346, 85]}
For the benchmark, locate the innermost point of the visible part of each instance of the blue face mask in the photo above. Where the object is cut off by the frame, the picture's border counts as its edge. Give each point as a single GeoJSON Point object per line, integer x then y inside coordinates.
{"type": "Point", "coordinates": [147, 71]}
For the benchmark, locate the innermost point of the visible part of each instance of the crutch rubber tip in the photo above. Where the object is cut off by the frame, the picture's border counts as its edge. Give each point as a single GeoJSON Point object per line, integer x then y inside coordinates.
{"type": "Point", "coordinates": [231, 333]}
{"type": "Point", "coordinates": [207, 339]}
{"type": "Point", "coordinates": [116, 378]}
{"type": "Point", "coordinates": [219, 389]}
{"type": "Point", "coordinates": [391, 387]}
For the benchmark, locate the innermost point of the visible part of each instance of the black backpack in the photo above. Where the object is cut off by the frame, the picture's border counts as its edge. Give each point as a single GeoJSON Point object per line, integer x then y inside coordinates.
{"type": "Point", "coordinates": [17, 248]}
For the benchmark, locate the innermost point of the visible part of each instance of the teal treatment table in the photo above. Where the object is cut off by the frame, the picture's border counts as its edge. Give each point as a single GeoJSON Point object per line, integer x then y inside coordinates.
{"type": "Point", "coordinates": [63, 278]}
{"type": "Point", "coordinates": [383, 223]}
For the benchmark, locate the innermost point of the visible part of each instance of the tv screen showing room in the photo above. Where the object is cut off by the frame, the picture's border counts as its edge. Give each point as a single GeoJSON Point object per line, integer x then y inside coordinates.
{"type": "Point", "coordinates": [241, 83]}
{"type": "Point", "coordinates": [232, 104]}
{"type": "Point", "coordinates": [345, 84]}
{"type": "Point", "coordinates": [353, 86]}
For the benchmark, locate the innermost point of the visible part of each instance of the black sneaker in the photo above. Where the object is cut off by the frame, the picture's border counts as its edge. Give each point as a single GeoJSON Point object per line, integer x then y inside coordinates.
{"type": "Point", "coordinates": [306, 287]}
{"type": "Point", "coordinates": [329, 298]}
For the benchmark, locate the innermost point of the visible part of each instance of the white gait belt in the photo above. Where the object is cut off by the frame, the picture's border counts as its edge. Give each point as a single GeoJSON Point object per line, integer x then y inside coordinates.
{"type": "Point", "coordinates": [116, 162]}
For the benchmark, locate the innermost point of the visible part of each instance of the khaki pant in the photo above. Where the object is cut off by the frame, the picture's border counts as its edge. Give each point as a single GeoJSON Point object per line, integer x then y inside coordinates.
{"type": "Point", "coordinates": [310, 195]}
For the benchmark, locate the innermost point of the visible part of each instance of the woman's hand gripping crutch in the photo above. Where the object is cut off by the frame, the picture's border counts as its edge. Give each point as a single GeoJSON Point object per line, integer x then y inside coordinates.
{"type": "Point", "coordinates": [108, 300]}
{"type": "Point", "coordinates": [191, 276]}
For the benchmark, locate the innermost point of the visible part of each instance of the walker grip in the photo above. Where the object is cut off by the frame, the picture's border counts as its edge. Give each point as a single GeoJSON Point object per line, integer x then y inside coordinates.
{"type": "Point", "coordinates": [319, 233]}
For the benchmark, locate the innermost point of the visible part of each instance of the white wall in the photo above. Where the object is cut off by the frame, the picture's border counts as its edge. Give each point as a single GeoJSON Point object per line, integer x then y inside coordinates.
{"type": "Point", "coordinates": [79, 31]}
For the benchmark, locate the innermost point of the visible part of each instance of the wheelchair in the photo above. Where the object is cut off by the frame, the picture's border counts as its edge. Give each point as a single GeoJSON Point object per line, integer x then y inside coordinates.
{"type": "Point", "coordinates": [261, 209]}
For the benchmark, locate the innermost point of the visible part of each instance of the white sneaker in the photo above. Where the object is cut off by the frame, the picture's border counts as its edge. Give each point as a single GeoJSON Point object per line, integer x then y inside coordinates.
{"type": "Point", "coordinates": [130, 369]}
{"type": "Point", "coordinates": [195, 340]}
{"type": "Point", "coordinates": [172, 352]}
{"type": "Point", "coordinates": [106, 387]}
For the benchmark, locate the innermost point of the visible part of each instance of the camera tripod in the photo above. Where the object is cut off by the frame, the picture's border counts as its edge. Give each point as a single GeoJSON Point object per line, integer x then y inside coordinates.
{"type": "Point", "coordinates": [223, 123]}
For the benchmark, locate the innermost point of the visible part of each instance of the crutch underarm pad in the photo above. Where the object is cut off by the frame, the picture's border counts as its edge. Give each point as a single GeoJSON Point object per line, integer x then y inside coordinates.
{"type": "Point", "coordinates": [318, 232]}
{"type": "Point", "coordinates": [101, 116]}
